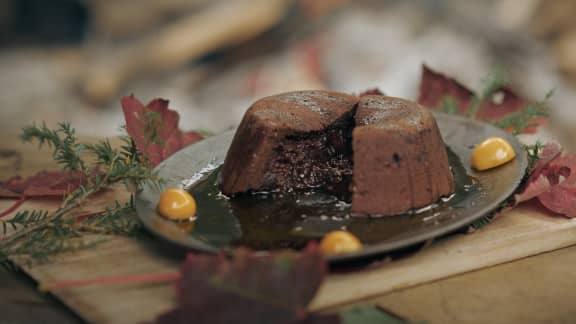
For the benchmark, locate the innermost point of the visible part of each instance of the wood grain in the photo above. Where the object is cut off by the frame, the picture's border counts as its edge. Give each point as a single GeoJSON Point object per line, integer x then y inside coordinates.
{"type": "Point", "coordinates": [538, 289]}
{"type": "Point", "coordinates": [522, 232]}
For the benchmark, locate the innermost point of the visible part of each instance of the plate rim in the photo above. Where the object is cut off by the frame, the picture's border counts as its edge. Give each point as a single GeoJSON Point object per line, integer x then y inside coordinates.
{"type": "Point", "coordinates": [370, 250]}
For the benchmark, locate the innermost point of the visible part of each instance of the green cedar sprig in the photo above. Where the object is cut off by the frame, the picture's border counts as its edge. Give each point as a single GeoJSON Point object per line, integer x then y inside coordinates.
{"type": "Point", "coordinates": [63, 141]}
{"type": "Point", "coordinates": [533, 154]}
{"type": "Point", "coordinates": [69, 234]}
{"type": "Point", "coordinates": [37, 234]}
{"type": "Point", "coordinates": [520, 120]}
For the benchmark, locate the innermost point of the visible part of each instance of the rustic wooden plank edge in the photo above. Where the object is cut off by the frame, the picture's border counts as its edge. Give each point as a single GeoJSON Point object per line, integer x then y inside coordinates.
{"type": "Point", "coordinates": [520, 233]}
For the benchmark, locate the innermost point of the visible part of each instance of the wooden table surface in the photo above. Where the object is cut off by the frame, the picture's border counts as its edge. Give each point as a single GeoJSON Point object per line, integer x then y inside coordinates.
{"type": "Point", "coordinates": [535, 289]}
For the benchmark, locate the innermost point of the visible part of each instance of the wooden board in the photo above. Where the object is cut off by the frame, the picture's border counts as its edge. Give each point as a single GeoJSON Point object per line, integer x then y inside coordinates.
{"type": "Point", "coordinates": [538, 289]}
{"type": "Point", "coordinates": [519, 233]}
{"type": "Point", "coordinates": [522, 232]}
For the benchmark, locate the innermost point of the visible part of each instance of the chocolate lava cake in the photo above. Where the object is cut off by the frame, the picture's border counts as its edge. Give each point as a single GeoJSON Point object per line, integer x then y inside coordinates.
{"type": "Point", "coordinates": [385, 154]}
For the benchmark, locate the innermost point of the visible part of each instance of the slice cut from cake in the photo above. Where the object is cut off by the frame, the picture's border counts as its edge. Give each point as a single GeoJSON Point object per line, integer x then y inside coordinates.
{"type": "Point", "coordinates": [400, 160]}
{"type": "Point", "coordinates": [292, 141]}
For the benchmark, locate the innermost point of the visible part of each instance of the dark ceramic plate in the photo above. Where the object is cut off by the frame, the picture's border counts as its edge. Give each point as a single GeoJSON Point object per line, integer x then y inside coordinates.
{"type": "Point", "coordinates": [265, 222]}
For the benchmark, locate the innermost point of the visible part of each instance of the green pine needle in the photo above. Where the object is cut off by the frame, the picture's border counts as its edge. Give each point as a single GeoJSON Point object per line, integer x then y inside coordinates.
{"type": "Point", "coordinates": [35, 235]}
{"type": "Point", "coordinates": [152, 127]}
{"type": "Point", "coordinates": [495, 81]}
{"type": "Point", "coordinates": [533, 154]}
{"type": "Point", "coordinates": [517, 122]}
{"type": "Point", "coordinates": [520, 120]}
{"type": "Point", "coordinates": [66, 151]}
{"type": "Point", "coordinates": [23, 219]}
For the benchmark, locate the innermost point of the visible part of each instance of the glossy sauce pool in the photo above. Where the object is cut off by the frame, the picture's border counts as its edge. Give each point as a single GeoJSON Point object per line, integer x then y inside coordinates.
{"type": "Point", "coordinates": [290, 220]}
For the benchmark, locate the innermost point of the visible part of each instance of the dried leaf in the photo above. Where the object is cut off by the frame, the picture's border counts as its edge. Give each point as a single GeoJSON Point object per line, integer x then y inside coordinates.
{"type": "Point", "coordinates": [500, 104]}
{"type": "Point", "coordinates": [372, 92]}
{"type": "Point", "coordinates": [561, 196]}
{"type": "Point", "coordinates": [435, 88]}
{"type": "Point", "coordinates": [549, 152]}
{"type": "Point", "coordinates": [538, 181]}
{"type": "Point", "coordinates": [154, 128]}
{"type": "Point", "coordinates": [553, 181]}
{"type": "Point", "coordinates": [250, 288]}
{"type": "Point", "coordinates": [42, 184]}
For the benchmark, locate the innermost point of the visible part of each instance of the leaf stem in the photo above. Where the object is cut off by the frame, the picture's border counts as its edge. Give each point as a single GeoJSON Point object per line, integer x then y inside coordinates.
{"type": "Point", "coordinates": [38, 234]}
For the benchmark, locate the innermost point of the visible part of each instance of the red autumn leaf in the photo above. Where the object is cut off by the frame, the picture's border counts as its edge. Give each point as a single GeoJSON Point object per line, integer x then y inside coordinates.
{"type": "Point", "coordinates": [549, 152]}
{"type": "Point", "coordinates": [502, 102]}
{"type": "Point", "coordinates": [46, 184]}
{"type": "Point", "coordinates": [561, 197]}
{"type": "Point", "coordinates": [538, 182]}
{"type": "Point", "coordinates": [250, 288]}
{"type": "Point", "coordinates": [370, 92]}
{"type": "Point", "coordinates": [42, 184]}
{"type": "Point", "coordinates": [154, 128]}
{"type": "Point", "coordinates": [435, 87]}
{"type": "Point", "coordinates": [553, 181]}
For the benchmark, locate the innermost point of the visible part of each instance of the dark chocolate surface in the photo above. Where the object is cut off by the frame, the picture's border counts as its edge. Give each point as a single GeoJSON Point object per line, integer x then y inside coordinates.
{"type": "Point", "coordinates": [286, 136]}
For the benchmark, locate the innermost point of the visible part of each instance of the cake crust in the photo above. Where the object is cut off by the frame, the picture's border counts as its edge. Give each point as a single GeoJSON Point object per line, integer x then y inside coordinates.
{"type": "Point", "coordinates": [400, 160]}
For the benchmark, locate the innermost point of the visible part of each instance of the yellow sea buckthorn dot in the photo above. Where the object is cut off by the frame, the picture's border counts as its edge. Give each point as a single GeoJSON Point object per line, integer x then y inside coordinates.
{"type": "Point", "coordinates": [491, 153]}
{"type": "Point", "coordinates": [339, 242]}
{"type": "Point", "coordinates": [177, 204]}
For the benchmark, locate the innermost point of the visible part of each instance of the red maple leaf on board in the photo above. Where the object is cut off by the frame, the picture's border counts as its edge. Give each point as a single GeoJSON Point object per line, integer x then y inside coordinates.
{"type": "Point", "coordinates": [44, 184]}
{"type": "Point", "coordinates": [537, 182]}
{"type": "Point", "coordinates": [154, 128]}
{"type": "Point", "coordinates": [553, 181]}
{"type": "Point", "coordinates": [371, 92]}
{"type": "Point", "coordinates": [502, 102]}
{"type": "Point", "coordinates": [249, 288]}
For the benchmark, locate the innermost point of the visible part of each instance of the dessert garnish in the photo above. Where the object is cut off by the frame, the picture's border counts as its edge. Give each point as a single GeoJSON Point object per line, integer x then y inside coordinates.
{"type": "Point", "coordinates": [177, 204]}
{"type": "Point", "coordinates": [491, 153]}
{"type": "Point", "coordinates": [340, 242]}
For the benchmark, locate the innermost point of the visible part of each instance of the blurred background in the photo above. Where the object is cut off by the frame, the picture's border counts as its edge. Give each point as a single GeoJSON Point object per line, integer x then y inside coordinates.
{"type": "Point", "coordinates": [72, 60]}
